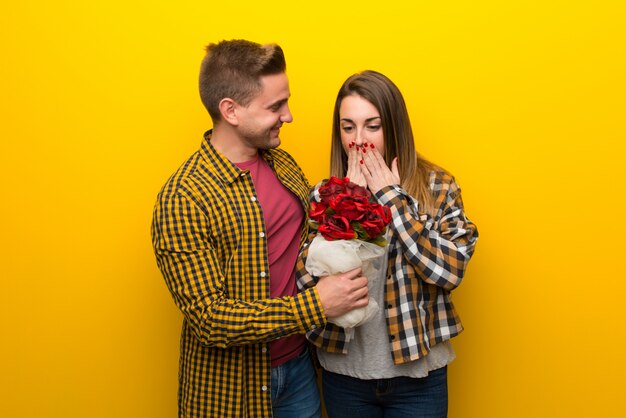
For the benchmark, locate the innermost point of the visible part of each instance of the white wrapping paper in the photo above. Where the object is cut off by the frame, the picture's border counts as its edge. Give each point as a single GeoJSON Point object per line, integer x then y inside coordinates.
{"type": "Point", "coordinates": [331, 257]}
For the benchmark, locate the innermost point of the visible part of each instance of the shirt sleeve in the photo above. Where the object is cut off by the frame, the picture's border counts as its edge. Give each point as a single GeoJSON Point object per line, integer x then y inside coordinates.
{"type": "Point", "coordinates": [439, 247]}
{"type": "Point", "coordinates": [304, 279]}
{"type": "Point", "coordinates": [194, 276]}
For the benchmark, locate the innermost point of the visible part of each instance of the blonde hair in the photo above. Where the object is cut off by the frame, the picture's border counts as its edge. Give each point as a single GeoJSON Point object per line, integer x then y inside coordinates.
{"type": "Point", "coordinates": [414, 170]}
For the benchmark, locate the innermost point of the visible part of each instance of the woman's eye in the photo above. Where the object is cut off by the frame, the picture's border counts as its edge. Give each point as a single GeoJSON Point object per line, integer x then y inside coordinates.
{"type": "Point", "coordinates": [373, 127]}
{"type": "Point", "coordinates": [347, 129]}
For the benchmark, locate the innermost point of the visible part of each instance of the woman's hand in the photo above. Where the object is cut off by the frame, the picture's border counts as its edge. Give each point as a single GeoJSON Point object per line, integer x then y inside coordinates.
{"type": "Point", "coordinates": [354, 173]}
{"type": "Point", "coordinates": [375, 170]}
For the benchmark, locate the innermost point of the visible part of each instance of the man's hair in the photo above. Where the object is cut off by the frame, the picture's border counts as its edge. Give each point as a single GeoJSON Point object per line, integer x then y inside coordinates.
{"type": "Point", "coordinates": [381, 92]}
{"type": "Point", "coordinates": [233, 69]}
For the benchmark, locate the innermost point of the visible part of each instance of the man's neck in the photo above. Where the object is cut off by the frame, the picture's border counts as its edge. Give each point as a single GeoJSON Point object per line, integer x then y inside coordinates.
{"type": "Point", "coordinates": [230, 145]}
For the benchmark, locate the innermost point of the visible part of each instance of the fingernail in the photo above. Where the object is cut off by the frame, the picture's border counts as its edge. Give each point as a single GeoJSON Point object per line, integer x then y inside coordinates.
{"type": "Point", "coordinates": [361, 161]}
{"type": "Point", "coordinates": [364, 149]}
{"type": "Point", "coordinates": [371, 145]}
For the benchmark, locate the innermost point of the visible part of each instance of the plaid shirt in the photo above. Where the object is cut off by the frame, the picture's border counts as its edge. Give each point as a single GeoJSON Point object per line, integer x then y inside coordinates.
{"type": "Point", "coordinates": [427, 260]}
{"type": "Point", "coordinates": [209, 239]}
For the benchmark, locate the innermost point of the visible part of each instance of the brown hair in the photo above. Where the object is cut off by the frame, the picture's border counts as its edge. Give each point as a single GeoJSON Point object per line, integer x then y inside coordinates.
{"type": "Point", "coordinates": [398, 136]}
{"type": "Point", "coordinates": [233, 69]}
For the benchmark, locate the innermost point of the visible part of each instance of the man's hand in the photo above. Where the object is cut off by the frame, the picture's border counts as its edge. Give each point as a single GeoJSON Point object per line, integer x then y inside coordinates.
{"type": "Point", "coordinates": [341, 293]}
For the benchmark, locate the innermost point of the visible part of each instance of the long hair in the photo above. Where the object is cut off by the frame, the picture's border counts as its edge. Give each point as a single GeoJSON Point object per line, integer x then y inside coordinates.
{"type": "Point", "coordinates": [233, 69]}
{"type": "Point", "coordinates": [380, 91]}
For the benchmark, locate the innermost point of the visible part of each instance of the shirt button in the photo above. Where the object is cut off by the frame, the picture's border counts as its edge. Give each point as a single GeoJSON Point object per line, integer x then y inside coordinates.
{"type": "Point", "coordinates": [264, 350]}
{"type": "Point", "coordinates": [392, 337]}
{"type": "Point", "coordinates": [390, 306]}
{"type": "Point", "coordinates": [263, 274]}
{"type": "Point", "coordinates": [262, 234]}
{"type": "Point", "coordinates": [263, 388]}
{"type": "Point", "coordinates": [253, 199]}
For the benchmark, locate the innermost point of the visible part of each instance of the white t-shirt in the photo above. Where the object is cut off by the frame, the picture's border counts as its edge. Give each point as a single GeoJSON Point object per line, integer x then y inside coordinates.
{"type": "Point", "coordinates": [369, 352]}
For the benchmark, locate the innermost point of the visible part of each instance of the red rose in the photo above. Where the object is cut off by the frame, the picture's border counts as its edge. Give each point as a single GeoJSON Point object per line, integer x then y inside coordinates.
{"type": "Point", "coordinates": [383, 212]}
{"type": "Point", "coordinates": [318, 211]}
{"type": "Point", "coordinates": [354, 209]}
{"type": "Point", "coordinates": [336, 227]}
{"type": "Point", "coordinates": [354, 190]}
{"type": "Point", "coordinates": [376, 220]}
{"type": "Point", "coordinates": [333, 187]}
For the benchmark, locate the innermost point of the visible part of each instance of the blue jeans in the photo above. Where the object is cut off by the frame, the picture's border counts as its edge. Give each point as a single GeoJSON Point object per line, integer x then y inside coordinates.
{"type": "Point", "coordinates": [399, 397]}
{"type": "Point", "coordinates": [294, 389]}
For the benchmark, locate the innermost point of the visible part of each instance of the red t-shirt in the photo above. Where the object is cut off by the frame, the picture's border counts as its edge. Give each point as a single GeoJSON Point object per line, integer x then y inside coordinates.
{"type": "Point", "coordinates": [283, 215]}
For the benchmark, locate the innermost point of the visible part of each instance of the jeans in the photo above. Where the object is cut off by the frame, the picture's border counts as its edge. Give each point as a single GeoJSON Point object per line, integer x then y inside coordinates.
{"type": "Point", "coordinates": [294, 389]}
{"type": "Point", "coordinates": [399, 397]}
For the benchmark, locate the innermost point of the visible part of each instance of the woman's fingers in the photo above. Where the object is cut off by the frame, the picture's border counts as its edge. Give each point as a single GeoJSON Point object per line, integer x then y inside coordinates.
{"type": "Point", "coordinates": [376, 172]}
{"type": "Point", "coordinates": [355, 164]}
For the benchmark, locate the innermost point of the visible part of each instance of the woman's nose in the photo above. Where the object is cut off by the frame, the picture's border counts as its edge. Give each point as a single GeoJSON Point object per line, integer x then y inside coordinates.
{"type": "Point", "coordinates": [359, 139]}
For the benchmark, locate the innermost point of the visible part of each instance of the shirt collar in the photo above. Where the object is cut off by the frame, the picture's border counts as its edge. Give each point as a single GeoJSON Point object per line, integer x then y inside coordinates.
{"type": "Point", "coordinates": [221, 165]}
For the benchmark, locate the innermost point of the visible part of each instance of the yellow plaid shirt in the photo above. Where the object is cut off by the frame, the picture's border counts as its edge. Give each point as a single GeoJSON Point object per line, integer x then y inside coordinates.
{"type": "Point", "coordinates": [209, 239]}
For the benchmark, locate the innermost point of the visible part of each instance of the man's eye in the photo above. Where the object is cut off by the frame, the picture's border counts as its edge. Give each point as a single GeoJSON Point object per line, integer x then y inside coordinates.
{"type": "Point", "coordinates": [277, 106]}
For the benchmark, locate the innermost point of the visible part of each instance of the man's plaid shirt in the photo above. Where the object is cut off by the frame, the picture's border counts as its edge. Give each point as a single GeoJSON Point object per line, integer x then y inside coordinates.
{"type": "Point", "coordinates": [209, 239]}
{"type": "Point", "coordinates": [427, 260]}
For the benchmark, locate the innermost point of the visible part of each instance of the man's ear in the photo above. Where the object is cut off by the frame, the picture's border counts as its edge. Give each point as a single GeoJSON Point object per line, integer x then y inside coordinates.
{"type": "Point", "coordinates": [228, 110]}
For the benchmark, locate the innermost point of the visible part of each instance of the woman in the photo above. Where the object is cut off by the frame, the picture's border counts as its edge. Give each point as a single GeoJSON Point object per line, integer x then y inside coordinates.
{"type": "Point", "coordinates": [396, 364]}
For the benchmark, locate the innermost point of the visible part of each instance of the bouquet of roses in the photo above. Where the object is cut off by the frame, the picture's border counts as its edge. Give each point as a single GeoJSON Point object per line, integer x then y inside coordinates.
{"type": "Point", "coordinates": [351, 233]}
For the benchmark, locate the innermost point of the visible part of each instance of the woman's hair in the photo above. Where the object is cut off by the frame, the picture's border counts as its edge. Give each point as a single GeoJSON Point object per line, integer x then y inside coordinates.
{"type": "Point", "coordinates": [398, 136]}
{"type": "Point", "coordinates": [233, 69]}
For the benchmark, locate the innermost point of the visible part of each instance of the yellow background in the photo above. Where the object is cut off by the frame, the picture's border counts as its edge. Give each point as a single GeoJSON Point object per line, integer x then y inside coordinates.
{"type": "Point", "coordinates": [524, 101]}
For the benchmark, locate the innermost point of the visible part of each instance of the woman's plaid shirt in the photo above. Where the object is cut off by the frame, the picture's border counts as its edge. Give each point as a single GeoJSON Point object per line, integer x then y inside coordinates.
{"type": "Point", "coordinates": [209, 239]}
{"type": "Point", "coordinates": [427, 260]}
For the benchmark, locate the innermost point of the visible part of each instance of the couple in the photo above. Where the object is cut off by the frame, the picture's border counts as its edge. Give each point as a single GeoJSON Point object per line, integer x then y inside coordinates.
{"type": "Point", "coordinates": [229, 226]}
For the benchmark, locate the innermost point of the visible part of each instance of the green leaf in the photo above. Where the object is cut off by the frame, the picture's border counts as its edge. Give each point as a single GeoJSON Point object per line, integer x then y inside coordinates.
{"type": "Point", "coordinates": [380, 241]}
{"type": "Point", "coordinates": [361, 233]}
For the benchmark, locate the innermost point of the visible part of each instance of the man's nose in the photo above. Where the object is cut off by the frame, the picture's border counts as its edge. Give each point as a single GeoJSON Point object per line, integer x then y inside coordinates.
{"type": "Point", "coordinates": [286, 117]}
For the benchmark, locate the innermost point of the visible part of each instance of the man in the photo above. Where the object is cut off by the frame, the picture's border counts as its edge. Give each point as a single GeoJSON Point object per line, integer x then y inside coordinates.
{"type": "Point", "coordinates": [227, 229]}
